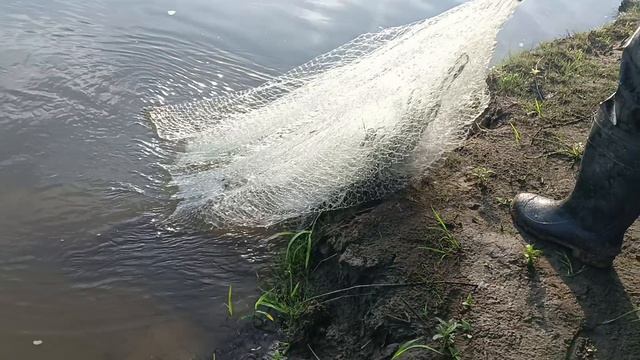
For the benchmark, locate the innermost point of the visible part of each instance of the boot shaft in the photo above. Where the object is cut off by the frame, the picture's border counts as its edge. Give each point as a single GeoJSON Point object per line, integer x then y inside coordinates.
{"type": "Point", "coordinates": [607, 193]}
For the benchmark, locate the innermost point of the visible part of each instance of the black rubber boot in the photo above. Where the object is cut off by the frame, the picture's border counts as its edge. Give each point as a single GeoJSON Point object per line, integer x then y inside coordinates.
{"type": "Point", "coordinates": [606, 199]}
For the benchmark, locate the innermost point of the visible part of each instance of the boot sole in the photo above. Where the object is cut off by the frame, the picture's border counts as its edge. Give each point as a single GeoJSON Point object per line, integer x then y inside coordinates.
{"type": "Point", "coordinates": [602, 262]}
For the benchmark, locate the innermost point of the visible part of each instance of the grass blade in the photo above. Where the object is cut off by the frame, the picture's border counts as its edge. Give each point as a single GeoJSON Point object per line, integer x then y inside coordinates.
{"type": "Point", "coordinates": [410, 345]}
{"type": "Point", "coordinates": [229, 303]}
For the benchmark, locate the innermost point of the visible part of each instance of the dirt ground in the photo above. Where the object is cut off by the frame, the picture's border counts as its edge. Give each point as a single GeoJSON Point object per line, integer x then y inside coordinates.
{"type": "Point", "coordinates": [556, 309]}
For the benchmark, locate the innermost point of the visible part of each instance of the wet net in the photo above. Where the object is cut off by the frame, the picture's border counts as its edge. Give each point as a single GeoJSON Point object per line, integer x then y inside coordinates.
{"type": "Point", "coordinates": [349, 126]}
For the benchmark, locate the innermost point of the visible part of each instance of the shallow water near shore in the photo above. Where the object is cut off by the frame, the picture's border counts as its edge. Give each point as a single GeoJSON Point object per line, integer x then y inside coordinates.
{"type": "Point", "coordinates": [89, 266]}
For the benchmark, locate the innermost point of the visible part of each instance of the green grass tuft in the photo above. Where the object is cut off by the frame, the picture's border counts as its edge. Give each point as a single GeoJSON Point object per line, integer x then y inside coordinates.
{"type": "Point", "coordinates": [447, 243]}
{"type": "Point", "coordinates": [286, 301]}
{"type": "Point", "coordinates": [511, 83]}
{"type": "Point", "coordinates": [411, 345]}
{"type": "Point", "coordinates": [469, 302]}
{"type": "Point", "coordinates": [574, 152]}
{"type": "Point", "coordinates": [446, 332]}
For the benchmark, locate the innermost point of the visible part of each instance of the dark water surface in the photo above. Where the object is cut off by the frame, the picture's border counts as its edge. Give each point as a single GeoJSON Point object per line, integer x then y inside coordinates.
{"type": "Point", "coordinates": [87, 263]}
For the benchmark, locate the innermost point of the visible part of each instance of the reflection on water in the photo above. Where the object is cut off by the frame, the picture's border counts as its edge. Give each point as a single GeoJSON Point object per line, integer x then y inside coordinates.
{"type": "Point", "coordinates": [88, 264]}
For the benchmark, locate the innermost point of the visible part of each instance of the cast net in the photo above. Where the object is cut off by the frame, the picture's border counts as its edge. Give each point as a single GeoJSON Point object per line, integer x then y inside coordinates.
{"type": "Point", "coordinates": [348, 126]}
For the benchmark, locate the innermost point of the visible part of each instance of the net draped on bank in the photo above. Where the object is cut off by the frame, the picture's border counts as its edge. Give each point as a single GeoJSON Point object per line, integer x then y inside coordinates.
{"type": "Point", "coordinates": [349, 126]}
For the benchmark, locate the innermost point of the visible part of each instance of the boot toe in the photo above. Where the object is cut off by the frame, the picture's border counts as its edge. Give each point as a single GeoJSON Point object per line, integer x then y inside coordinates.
{"type": "Point", "coordinates": [545, 219]}
{"type": "Point", "coordinates": [530, 209]}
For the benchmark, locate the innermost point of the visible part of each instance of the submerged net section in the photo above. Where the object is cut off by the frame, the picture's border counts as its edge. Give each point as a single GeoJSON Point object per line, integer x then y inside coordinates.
{"type": "Point", "coordinates": [349, 126]}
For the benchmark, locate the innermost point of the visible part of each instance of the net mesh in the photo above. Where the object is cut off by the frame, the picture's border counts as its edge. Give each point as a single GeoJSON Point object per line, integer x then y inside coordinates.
{"type": "Point", "coordinates": [349, 126]}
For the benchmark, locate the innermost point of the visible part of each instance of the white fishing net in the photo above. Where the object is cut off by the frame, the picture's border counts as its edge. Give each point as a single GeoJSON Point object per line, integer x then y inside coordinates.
{"type": "Point", "coordinates": [349, 126]}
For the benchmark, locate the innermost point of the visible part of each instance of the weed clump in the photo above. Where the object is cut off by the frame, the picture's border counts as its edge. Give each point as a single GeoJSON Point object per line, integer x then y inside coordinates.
{"type": "Point", "coordinates": [574, 151]}
{"type": "Point", "coordinates": [447, 243]}
{"type": "Point", "coordinates": [511, 83]}
{"type": "Point", "coordinates": [410, 345]}
{"type": "Point", "coordinates": [482, 175]}
{"type": "Point", "coordinates": [287, 299]}
{"type": "Point", "coordinates": [469, 302]}
{"type": "Point", "coordinates": [446, 335]}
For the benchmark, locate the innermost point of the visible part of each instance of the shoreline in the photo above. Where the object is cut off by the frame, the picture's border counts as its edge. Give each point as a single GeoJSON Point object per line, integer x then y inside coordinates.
{"type": "Point", "coordinates": [444, 254]}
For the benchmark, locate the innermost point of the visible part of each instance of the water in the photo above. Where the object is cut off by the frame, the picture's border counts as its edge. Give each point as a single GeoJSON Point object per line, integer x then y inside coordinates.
{"type": "Point", "coordinates": [88, 264]}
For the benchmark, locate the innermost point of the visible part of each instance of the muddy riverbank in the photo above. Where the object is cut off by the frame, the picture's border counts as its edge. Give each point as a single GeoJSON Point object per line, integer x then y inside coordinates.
{"type": "Point", "coordinates": [441, 262]}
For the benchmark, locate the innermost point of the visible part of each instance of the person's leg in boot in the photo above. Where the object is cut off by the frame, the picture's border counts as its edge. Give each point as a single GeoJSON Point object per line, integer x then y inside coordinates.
{"type": "Point", "coordinates": [606, 198]}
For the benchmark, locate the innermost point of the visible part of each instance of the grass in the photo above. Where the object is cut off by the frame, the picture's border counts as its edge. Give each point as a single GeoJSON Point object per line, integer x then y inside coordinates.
{"type": "Point", "coordinates": [280, 352]}
{"type": "Point", "coordinates": [277, 355]}
{"type": "Point", "coordinates": [538, 107]}
{"type": "Point", "coordinates": [567, 265]}
{"type": "Point", "coordinates": [511, 83]}
{"type": "Point", "coordinates": [411, 345]}
{"type": "Point", "coordinates": [287, 299]}
{"type": "Point", "coordinates": [448, 244]}
{"type": "Point", "coordinates": [574, 151]}
{"type": "Point", "coordinates": [531, 255]}
{"type": "Point", "coordinates": [544, 82]}
{"type": "Point", "coordinates": [446, 332]}
{"type": "Point", "coordinates": [573, 65]}
{"type": "Point", "coordinates": [469, 302]}
{"type": "Point", "coordinates": [445, 336]}
{"type": "Point", "coordinates": [556, 144]}
{"type": "Point", "coordinates": [517, 135]}
{"type": "Point", "coordinates": [534, 108]}
{"type": "Point", "coordinates": [229, 303]}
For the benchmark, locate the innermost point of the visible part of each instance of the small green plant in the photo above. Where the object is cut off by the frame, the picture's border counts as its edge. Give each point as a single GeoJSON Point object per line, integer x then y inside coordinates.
{"type": "Point", "coordinates": [449, 244]}
{"type": "Point", "coordinates": [280, 352]}
{"type": "Point", "coordinates": [287, 297]}
{"type": "Point", "coordinates": [229, 303]}
{"type": "Point", "coordinates": [538, 107]}
{"type": "Point", "coordinates": [469, 302]}
{"type": "Point", "coordinates": [506, 202]}
{"type": "Point", "coordinates": [426, 310]}
{"type": "Point", "coordinates": [517, 135]}
{"type": "Point", "coordinates": [510, 83]}
{"type": "Point", "coordinates": [531, 254]}
{"type": "Point", "coordinates": [563, 148]}
{"type": "Point", "coordinates": [446, 332]}
{"type": "Point", "coordinates": [482, 175]}
{"type": "Point", "coordinates": [573, 152]}
{"type": "Point", "coordinates": [410, 345]}
{"type": "Point", "coordinates": [535, 108]}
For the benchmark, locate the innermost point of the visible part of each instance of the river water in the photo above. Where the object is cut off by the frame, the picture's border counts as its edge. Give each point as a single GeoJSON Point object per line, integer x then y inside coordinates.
{"type": "Point", "coordinates": [89, 268]}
